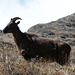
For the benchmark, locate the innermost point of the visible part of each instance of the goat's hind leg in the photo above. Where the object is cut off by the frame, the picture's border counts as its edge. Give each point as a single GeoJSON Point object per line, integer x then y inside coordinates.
{"type": "Point", "coordinates": [68, 52]}
{"type": "Point", "coordinates": [64, 54]}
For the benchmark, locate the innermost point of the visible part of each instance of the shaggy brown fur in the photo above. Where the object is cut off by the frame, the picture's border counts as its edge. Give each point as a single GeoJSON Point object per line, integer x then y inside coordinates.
{"type": "Point", "coordinates": [31, 45]}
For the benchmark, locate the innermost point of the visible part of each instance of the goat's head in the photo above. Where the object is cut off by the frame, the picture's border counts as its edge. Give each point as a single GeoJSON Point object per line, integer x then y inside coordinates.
{"type": "Point", "coordinates": [11, 27]}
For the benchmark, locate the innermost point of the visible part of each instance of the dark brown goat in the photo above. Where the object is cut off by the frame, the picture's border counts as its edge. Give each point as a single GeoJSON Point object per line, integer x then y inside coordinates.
{"type": "Point", "coordinates": [31, 45]}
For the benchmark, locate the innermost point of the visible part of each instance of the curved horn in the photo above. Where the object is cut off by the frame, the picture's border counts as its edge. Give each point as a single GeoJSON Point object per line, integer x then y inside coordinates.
{"type": "Point", "coordinates": [16, 18]}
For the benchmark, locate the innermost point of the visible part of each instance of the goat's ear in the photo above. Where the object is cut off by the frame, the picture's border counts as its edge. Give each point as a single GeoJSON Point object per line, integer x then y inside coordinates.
{"type": "Point", "coordinates": [18, 22]}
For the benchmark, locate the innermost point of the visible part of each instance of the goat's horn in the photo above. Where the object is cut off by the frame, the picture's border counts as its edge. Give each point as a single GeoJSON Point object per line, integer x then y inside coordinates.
{"type": "Point", "coordinates": [16, 18]}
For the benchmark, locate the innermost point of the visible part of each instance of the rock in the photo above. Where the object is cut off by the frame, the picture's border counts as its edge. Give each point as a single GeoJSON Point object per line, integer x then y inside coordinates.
{"type": "Point", "coordinates": [72, 43]}
{"type": "Point", "coordinates": [0, 31]}
{"type": "Point", "coordinates": [51, 33]}
{"type": "Point", "coordinates": [73, 36]}
{"type": "Point", "coordinates": [62, 35]}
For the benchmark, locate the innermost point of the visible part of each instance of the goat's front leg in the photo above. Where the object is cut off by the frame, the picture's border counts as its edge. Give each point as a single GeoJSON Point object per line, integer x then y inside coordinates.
{"type": "Point", "coordinates": [27, 54]}
{"type": "Point", "coordinates": [24, 54]}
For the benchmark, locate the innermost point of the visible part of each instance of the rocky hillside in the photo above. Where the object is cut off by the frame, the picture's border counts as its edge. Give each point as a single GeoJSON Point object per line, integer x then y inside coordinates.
{"type": "Point", "coordinates": [63, 28]}
{"type": "Point", "coordinates": [12, 63]}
